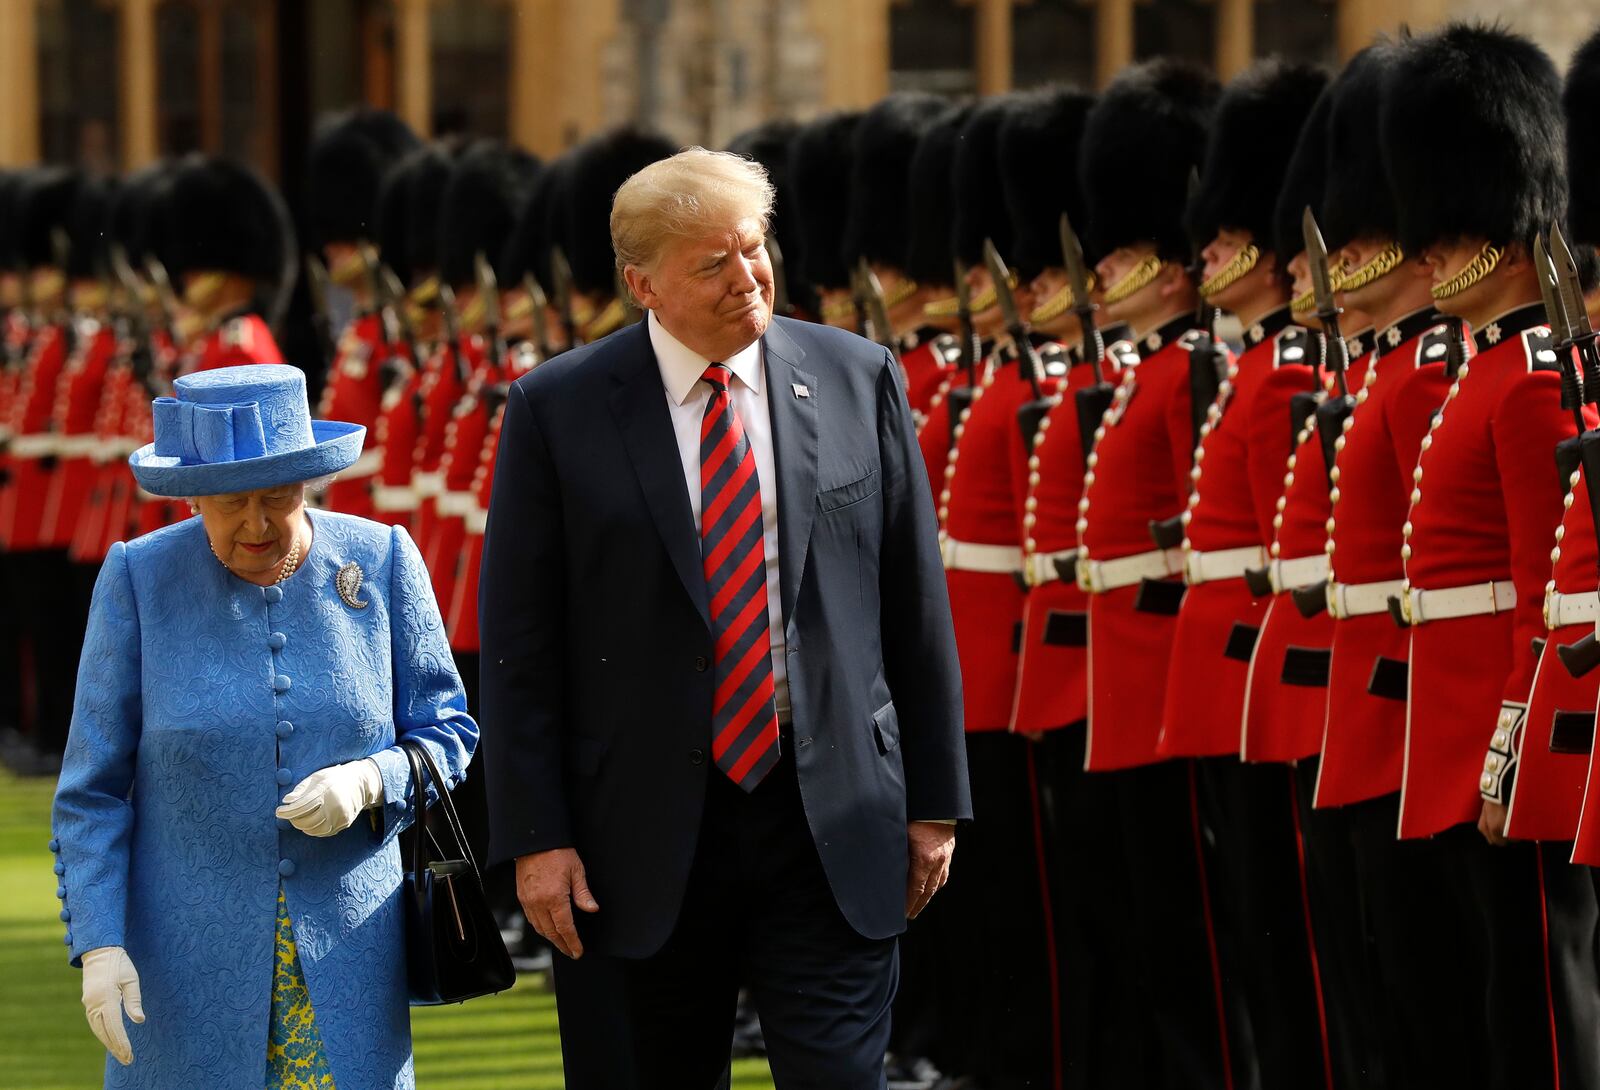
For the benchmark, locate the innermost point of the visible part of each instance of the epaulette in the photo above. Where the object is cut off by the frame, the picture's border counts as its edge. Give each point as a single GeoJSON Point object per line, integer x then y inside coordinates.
{"type": "Point", "coordinates": [1056, 358]}
{"type": "Point", "coordinates": [1125, 353]}
{"type": "Point", "coordinates": [947, 349]}
{"type": "Point", "coordinates": [1433, 346]}
{"type": "Point", "coordinates": [1294, 342]}
{"type": "Point", "coordinates": [1541, 348]}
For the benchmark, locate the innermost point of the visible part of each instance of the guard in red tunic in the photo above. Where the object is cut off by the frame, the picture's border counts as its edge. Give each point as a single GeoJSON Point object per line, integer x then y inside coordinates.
{"type": "Point", "coordinates": [1143, 138]}
{"type": "Point", "coordinates": [1484, 509]}
{"type": "Point", "coordinates": [36, 571]}
{"type": "Point", "coordinates": [1249, 808]}
{"type": "Point", "coordinates": [228, 245]}
{"type": "Point", "coordinates": [349, 157]}
{"type": "Point", "coordinates": [819, 172]}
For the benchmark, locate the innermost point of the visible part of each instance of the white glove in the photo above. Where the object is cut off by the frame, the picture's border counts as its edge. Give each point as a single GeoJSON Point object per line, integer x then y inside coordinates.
{"type": "Point", "coordinates": [109, 985]}
{"type": "Point", "coordinates": [326, 802]}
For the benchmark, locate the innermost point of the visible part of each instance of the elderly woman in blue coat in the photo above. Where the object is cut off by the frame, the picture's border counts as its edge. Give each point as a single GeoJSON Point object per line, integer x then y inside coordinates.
{"type": "Point", "coordinates": [226, 816]}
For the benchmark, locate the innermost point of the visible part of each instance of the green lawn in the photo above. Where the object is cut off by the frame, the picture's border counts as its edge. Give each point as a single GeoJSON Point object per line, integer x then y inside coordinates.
{"type": "Point", "coordinates": [505, 1042]}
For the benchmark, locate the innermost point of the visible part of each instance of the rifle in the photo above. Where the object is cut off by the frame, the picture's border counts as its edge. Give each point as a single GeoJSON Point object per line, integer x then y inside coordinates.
{"type": "Point", "coordinates": [877, 310]}
{"type": "Point", "coordinates": [561, 284]}
{"type": "Point", "coordinates": [321, 321]}
{"type": "Point", "coordinates": [1206, 362]}
{"type": "Point", "coordinates": [541, 333]}
{"type": "Point", "coordinates": [451, 316]}
{"type": "Point", "coordinates": [489, 292]}
{"type": "Point", "coordinates": [1576, 334]}
{"type": "Point", "coordinates": [1331, 414]}
{"type": "Point", "coordinates": [1091, 402]}
{"type": "Point", "coordinates": [1029, 415]}
{"type": "Point", "coordinates": [960, 397]}
{"type": "Point", "coordinates": [141, 358]}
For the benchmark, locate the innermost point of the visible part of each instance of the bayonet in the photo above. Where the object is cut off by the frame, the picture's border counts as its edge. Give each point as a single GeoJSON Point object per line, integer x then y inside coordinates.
{"type": "Point", "coordinates": [493, 320]}
{"type": "Point", "coordinates": [877, 309]}
{"type": "Point", "coordinates": [1205, 315]}
{"type": "Point", "coordinates": [561, 284]}
{"type": "Point", "coordinates": [451, 318]}
{"type": "Point", "coordinates": [1582, 334]}
{"type": "Point", "coordinates": [1027, 357]}
{"type": "Point", "coordinates": [1094, 346]}
{"type": "Point", "coordinates": [1555, 312]}
{"type": "Point", "coordinates": [780, 278]}
{"type": "Point", "coordinates": [541, 332]}
{"type": "Point", "coordinates": [1327, 306]}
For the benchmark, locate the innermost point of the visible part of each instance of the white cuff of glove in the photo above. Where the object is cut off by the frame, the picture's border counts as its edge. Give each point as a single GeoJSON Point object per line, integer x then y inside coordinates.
{"type": "Point", "coordinates": [328, 801]}
{"type": "Point", "coordinates": [110, 984]}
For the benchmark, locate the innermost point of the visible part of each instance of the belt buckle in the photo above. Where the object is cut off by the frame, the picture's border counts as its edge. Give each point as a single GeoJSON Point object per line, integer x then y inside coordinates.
{"type": "Point", "coordinates": [947, 552]}
{"type": "Point", "coordinates": [1028, 580]}
{"type": "Point", "coordinates": [1192, 573]}
{"type": "Point", "coordinates": [1331, 590]}
{"type": "Point", "coordinates": [1087, 570]}
{"type": "Point", "coordinates": [1410, 605]}
{"type": "Point", "coordinates": [1549, 601]}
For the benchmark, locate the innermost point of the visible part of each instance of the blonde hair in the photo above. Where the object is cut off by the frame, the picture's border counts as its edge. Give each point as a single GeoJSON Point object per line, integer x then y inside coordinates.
{"type": "Point", "coordinates": [683, 196]}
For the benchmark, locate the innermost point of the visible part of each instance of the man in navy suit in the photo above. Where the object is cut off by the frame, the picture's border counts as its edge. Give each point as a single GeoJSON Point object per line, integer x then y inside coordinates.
{"type": "Point", "coordinates": [720, 691]}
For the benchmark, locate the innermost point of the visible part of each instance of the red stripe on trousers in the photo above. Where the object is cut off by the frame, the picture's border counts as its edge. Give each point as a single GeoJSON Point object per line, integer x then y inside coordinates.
{"type": "Point", "coordinates": [1549, 984]}
{"type": "Point", "coordinates": [1311, 935]}
{"type": "Point", "coordinates": [1211, 928]}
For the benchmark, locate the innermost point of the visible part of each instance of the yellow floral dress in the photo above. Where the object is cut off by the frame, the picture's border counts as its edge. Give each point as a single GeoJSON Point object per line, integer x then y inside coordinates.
{"type": "Point", "coordinates": [295, 1060]}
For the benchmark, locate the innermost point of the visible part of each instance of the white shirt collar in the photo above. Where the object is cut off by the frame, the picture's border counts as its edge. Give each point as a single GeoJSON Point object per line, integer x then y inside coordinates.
{"type": "Point", "coordinates": [681, 367]}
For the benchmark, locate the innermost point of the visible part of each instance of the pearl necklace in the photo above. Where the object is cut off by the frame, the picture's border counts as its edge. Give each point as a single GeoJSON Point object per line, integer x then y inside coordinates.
{"type": "Point", "coordinates": [290, 562]}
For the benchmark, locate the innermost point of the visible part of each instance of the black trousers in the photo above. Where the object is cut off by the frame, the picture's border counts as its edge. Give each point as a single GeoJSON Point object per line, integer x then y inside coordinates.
{"type": "Point", "coordinates": [1346, 955]}
{"type": "Point", "coordinates": [1166, 914]}
{"type": "Point", "coordinates": [51, 608]}
{"type": "Point", "coordinates": [1263, 932]}
{"type": "Point", "coordinates": [758, 913]}
{"type": "Point", "coordinates": [1102, 1025]}
{"type": "Point", "coordinates": [11, 622]}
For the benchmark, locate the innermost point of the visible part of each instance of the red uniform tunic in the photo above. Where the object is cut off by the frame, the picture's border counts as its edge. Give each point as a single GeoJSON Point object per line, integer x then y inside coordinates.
{"type": "Point", "coordinates": [1364, 741]}
{"type": "Point", "coordinates": [238, 340]}
{"type": "Point", "coordinates": [1139, 473]}
{"type": "Point", "coordinates": [89, 537]}
{"type": "Point", "coordinates": [394, 500]}
{"type": "Point", "coordinates": [978, 534]}
{"type": "Point", "coordinates": [463, 453]}
{"type": "Point", "coordinates": [354, 393]}
{"type": "Point", "coordinates": [1484, 512]}
{"type": "Point", "coordinates": [1052, 675]}
{"type": "Point", "coordinates": [28, 471]}
{"type": "Point", "coordinates": [443, 382]}
{"type": "Point", "coordinates": [933, 434]}
{"type": "Point", "coordinates": [78, 396]}
{"type": "Point", "coordinates": [1553, 751]}
{"type": "Point", "coordinates": [1220, 618]}
{"type": "Point", "coordinates": [927, 360]}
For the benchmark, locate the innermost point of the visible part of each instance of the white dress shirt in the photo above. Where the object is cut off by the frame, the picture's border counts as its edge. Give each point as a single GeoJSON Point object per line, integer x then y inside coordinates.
{"type": "Point", "coordinates": [687, 397]}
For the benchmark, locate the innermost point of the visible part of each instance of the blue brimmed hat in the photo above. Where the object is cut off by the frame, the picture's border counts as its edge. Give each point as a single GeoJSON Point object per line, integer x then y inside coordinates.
{"type": "Point", "coordinates": [236, 429]}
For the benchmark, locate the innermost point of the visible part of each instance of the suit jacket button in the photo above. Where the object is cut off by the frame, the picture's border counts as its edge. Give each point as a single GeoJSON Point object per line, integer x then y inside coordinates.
{"type": "Point", "coordinates": [701, 663]}
{"type": "Point", "coordinates": [697, 757]}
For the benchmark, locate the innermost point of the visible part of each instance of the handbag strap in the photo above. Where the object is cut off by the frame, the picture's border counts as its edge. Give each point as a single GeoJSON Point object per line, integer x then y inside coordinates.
{"type": "Point", "coordinates": [420, 758]}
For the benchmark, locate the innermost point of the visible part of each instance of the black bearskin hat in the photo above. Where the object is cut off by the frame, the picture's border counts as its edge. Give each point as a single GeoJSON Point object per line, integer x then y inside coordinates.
{"type": "Point", "coordinates": [220, 216]}
{"type": "Point", "coordinates": [1039, 141]}
{"type": "Point", "coordinates": [11, 185]}
{"type": "Point", "coordinates": [878, 224]}
{"type": "Point", "coordinates": [599, 168]}
{"type": "Point", "coordinates": [87, 229]}
{"type": "Point", "coordinates": [1356, 201]}
{"type": "Point", "coordinates": [134, 218]}
{"type": "Point", "coordinates": [527, 249]}
{"type": "Point", "coordinates": [488, 183]}
{"type": "Point", "coordinates": [928, 255]}
{"type": "Point", "coordinates": [819, 166]}
{"type": "Point", "coordinates": [408, 211]}
{"type": "Point", "coordinates": [1581, 101]}
{"type": "Point", "coordinates": [1253, 134]}
{"type": "Point", "coordinates": [1471, 123]}
{"type": "Point", "coordinates": [1304, 180]}
{"type": "Point", "coordinates": [44, 206]}
{"type": "Point", "coordinates": [1143, 137]}
{"type": "Point", "coordinates": [349, 157]}
{"type": "Point", "coordinates": [980, 201]}
{"type": "Point", "coordinates": [769, 144]}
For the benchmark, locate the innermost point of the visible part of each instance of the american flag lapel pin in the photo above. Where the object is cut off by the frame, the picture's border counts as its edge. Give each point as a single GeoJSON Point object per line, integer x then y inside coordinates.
{"type": "Point", "coordinates": [800, 390]}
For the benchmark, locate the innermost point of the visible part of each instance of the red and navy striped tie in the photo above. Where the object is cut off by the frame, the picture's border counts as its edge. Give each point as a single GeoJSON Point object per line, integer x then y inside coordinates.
{"type": "Point", "coordinates": [744, 739]}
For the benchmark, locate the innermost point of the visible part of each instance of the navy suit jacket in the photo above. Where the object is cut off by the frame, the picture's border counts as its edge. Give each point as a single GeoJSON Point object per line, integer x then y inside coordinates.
{"type": "Point", "coordinates": [597, 687]}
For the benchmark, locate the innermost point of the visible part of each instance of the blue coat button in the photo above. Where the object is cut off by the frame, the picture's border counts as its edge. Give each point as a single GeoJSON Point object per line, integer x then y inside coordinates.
{"type": "Point", "coordinates": [61, 868]}
{"type": "Point", "coordinates": [277, 640]}
{"type": "Point", "coordinates": [273, 595]}
{"type": "Point", "coordinates": [284, 777]}
{"type": "Point", "coordinates": [66, 916]}
{"type": "Point", "coordinates": [285, 728]}
{"type": "Point", "coordinates": [285, 867]}
{"type": "Point", "coordinates": [281, 683]}
{"type": "Point", "coordinates": [61, 893]}
{"type": "Point", "coordinates": [55, 845]}
{"type": "Point", "coordinates": [66, 940]}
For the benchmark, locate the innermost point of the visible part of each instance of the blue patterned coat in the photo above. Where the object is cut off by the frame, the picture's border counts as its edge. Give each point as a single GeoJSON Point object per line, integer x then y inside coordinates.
{"type": "Point", "coordinates": [202, 699]}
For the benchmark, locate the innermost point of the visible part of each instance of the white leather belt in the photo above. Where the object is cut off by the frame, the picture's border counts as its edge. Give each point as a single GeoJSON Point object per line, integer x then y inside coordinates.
{"type": "Point", "coordinates": [1301, 571]}
{"type": "Point", "coordinates": [77, 446]}
{"type": "Point", "coordinates": [36, 445]}
{"type": "Point", "coordinates": [992, 559]}
{"type": "Point", "coordinates": [1099, 576]}
{"type": "Point", "coordinates": [370, 462]}
{"type": "Point", "coordinates": [1422, 606]}
{"type": "Point", "coordinates": [1041, 567]}
{"type": "Point", "coordinates": [1564, 609]}
{"type": "Point", "coordinates": [1363, 599]}
{"type": "Point", "coordinates": [428, 484]}
{"type": "Point", "coordinates": [477, 520]}
{"type": "Point", "coordinates": [1219, 564]}
{"type": "Point", "coordinates": [455, 504]}
{"type": "Point", "coordinates": [389, 497]}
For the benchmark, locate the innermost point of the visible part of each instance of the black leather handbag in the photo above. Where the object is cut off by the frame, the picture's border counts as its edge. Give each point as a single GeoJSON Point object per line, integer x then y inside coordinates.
{"type": "Point", "coordinates": [453, 946]}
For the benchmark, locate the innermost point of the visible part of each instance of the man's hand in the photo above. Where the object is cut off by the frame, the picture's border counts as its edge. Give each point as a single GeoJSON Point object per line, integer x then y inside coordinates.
{"type": "Point", "coordinates": [933, 843]}
{"type": "Point", "coordinates": [548, 885]}
{"type": "Point", "coordinates": [1492, 823]}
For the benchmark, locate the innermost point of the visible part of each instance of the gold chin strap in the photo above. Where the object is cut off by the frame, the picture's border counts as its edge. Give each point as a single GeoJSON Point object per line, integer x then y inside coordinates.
{"type": "Point", "coordinates": [348, 270]}
{"type": "Point", "coordinates": [609, 320]}
{"type": "Point", "coordinates": [202, 290]}
{"type": "Point", "coordinates": [518, 307]}
{"type": "Point", "coordinates": [90, 297]}
{"type": "Point", "coordinates": [1141, 275]}
{"type": "Point", "coordinates": [840, 310]}
{"type": "Point", "coordinates": [989, 297]}
{"type": "Point", "coordinates": [46, 285]}
{"type": "Point", "coordinates": [1303, 304]}
{"type": "Point", "coordinates": [1380, 265]}
{"type": "Point", "coordinates": [1474, 271]}
{"type": "Point", "coordinates": [1231, 273]}
{"type": "Point", "coordinates": [1057, 305]}
{"type": "Point", "coordinates": [473, 314]}
{"type": "Point", "coordinates": [425, 293]}
{"type": "Point", "coordinates": [948, 307]}
{"type": "Point", "coordinates": [903, 291]}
